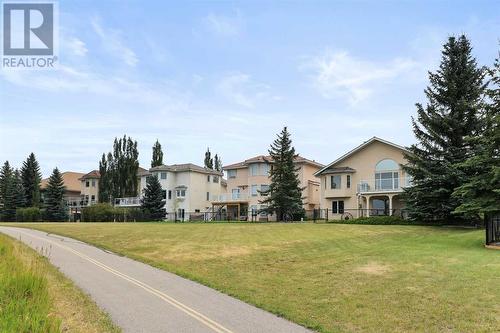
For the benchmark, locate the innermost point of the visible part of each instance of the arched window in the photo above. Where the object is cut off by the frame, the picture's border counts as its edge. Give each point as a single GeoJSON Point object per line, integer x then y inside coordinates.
{"type": "Point", "coordinates": [387, 165]}
{"type": "Point", "coordinates": [387, 175]}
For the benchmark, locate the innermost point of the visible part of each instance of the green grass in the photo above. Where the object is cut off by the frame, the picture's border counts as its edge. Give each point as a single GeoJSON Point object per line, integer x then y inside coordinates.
{"type": "Point", "coordinates": [36, 298]}
{"type": "Point", "coordinates": [330, 277]}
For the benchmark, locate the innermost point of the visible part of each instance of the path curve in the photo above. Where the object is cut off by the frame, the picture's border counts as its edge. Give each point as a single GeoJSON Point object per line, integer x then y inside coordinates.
{"type": "Point", "coordinates": [141, 298]}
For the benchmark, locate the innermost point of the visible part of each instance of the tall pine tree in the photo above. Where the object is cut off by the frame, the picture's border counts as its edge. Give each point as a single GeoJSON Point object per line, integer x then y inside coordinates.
{"type": "Point", "coordinates": [451, 114]}
{"type": "Point", "coordinates": [7, 193]}
{"type": "Point", "coordinates": [480, 194]}
{"type": "Point", "coordinates": [55, 206]}
{"type": "Point", "coordinates": [31, 179]}
{"type": "Point", "coordinates": [157, 155]}
{"type": "Point", "coordinates": [284, 196]}
{"type": "Point", "coordinates": [19, 198]}
{"type": "Point", "coordinates": [152, 203]}
{"type": "Point", "coordinates": [208, 161]}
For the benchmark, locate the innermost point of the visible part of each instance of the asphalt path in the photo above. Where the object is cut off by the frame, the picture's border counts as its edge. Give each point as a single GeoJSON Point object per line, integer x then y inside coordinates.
{"type": "Point", "coordinates": [141, 298]}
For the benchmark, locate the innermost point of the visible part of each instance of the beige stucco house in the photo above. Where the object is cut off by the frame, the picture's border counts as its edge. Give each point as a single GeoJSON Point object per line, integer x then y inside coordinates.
{"type": "Point", "coordinates": [89, 187]}
{"type": "Point", "coordinates": [368, 180]}
{"type": "Point", "coordinates": [246, 180]}
{"type": "Point", "coordinates": [188, 189]}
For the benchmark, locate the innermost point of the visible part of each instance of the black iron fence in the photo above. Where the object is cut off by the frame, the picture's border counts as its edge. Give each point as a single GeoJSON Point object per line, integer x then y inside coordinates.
{"type": "Point", "coordinates": [312, 215]}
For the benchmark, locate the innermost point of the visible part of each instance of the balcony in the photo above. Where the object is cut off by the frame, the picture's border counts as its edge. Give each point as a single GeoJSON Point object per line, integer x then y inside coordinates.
{"type": "Point", "coordinates": [232, 197]}
{"type": "Point", "coordinates": [383, 185]}
{"type": "Point", "coordinates": [128, 202]}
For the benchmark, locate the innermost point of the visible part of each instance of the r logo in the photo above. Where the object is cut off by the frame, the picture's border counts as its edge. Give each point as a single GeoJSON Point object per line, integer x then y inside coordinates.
{"type": "Point", "coordinates": [28, 29]}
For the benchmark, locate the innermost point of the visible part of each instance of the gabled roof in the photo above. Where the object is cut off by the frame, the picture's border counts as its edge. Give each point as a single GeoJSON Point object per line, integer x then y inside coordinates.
{"type": "Point", "coordinates": [94, 174]}
{"type": "Point", "coordinates": [358, 148]}
{"type": "Point", "coordinates": [71, 181]}
{"type": "Point", "coordinates": [267, 159]}
{"type": "Point", "coordinates": [184, 167]}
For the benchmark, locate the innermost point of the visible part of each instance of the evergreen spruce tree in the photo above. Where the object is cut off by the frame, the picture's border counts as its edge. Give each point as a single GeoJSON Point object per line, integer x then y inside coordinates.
{"type": "Point", "coordinates": [31, 178]}
{"type": "Point", "coordinates": [480, 194]}
{"type": "Point", "coordinates": [152, 203]}
{"type": "Point", "coordinates": [55, 207]}
{"type": "Point", "coordinates": [284, 196]}
{"type": "Point", "coordinates": [7, 194]}
{"type": "Point", "coordinates": [451, 114]}
{"type": "Point", "coordinates": [208, 162]}
{"type": "Point", "coordinates": [19, 198]}
{"type": "Point", "coordinates": [157, 155]}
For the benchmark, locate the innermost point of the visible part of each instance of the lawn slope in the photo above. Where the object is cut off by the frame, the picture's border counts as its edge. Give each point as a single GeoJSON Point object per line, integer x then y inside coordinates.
{"type": "Point", "coordinates": [36, 298]}
{"type": "Point", "coordinates": [332, 278]}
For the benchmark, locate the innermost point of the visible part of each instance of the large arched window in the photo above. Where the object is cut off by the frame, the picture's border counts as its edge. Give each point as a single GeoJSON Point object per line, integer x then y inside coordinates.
{"type": "Point", "coordinates": [387, 165]}
{"type": "Point", "coordinates": [387, 175]}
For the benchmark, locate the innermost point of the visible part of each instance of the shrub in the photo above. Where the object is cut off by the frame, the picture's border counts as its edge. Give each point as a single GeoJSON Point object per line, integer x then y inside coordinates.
{"type": "Point", "coordinates": [102, 212]}
{"type": "Point", "coordinates": [30, 214]}
{"type": "Point", "coordinates": [381, 220]}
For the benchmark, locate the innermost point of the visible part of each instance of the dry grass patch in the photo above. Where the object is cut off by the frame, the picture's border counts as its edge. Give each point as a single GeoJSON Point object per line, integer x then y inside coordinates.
{"type": "Point", "coordinates": [374, 268]}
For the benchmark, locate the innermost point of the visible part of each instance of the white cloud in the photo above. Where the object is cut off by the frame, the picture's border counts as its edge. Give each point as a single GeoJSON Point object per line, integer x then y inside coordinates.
{"type": "Point", "coordinates": [224, 25]}
{"type": "Point", "coordinates": [75, 46]}
{"type": "Point", "coordinates": [112, 42]}
{"type": "Point", "coordinates": [242, 90]}
{"type": "Point", "coordinates": [339, 74]}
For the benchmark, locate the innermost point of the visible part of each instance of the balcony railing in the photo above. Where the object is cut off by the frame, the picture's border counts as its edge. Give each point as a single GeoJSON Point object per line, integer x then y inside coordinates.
{"type": "Point", "coordinates": [383, 185]}
{"type": "Point", "coordinates": [230, 197]}
{"type": "Point", "coordinates": [128, 202]}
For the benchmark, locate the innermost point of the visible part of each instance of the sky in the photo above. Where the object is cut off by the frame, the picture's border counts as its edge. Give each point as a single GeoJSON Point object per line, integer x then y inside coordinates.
{"type": "Point", "coordinates": [230, 75]}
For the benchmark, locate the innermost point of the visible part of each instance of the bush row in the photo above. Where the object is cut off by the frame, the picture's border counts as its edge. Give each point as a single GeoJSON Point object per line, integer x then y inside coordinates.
{"type": "Point", "coordinates": [104, 212]}
{"type": "Point", "coordinates": [379, 220]}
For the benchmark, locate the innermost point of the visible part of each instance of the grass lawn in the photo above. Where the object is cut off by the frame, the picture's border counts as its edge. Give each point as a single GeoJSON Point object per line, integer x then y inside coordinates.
{"type": "Point", "coordinates": [36, 298]}
{"type": "Point", "coordinates": [332, 278]}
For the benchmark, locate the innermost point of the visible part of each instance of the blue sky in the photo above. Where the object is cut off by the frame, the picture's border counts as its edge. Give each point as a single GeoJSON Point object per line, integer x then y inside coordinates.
{"type": "Point", "coordinates": [230, 75]}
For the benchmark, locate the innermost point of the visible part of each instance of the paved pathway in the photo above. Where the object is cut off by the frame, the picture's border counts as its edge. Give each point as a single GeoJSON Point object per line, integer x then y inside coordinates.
{"type": "Point", "coordinates": [140, 298]}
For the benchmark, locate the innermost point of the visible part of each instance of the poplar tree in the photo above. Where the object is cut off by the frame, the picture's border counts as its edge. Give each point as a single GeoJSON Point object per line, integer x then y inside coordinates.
{"type": "Point", "coordinates": [208, 162]}
{"type": "Point", "coordinates": [480, 193]}
{"type": "Point", "coordinates": [157, 155]}
{"type": "Point", "coordinates": [55, 205]}
{"type": "Point", "coordinates": [284, 196]}
{"type": "Point", "coordinates": [454, 99]}
{"type": "Point", "coordinates": [152, 203]}
{"type": "Point", "coordinates": [217, 163]}
{"type": "Point", "coordinates": [31, 179]}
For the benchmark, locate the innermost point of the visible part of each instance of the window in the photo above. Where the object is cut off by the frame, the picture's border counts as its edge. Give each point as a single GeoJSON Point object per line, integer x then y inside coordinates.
{"type": "Point", "coordinates": [338, 207]}
{"type": "Point", "coordinates": [181, 193]}
{"type": "Point", "coordinates": [208, 196]}
{"type": "Point", "coordinates": [254, 169]}
{"type": "Point", "coordinates": [163, 175]}
{"type": "Point", "coordinates": [92, 197]}
{"type": "Point", "coordinates": [263, 211]}
{"type": "Point", "coordinates": [87, 183]}
{"type": "Point", "coordinates": [264, 188]}
{"type": "Point", "coordinates": [196, 210]}
{"type": "Point", "coordinates": [180, 213]}
{"type": "Point", "coordinates": [231, 173]}
{"type": "Point", "coordinates": [348, 183]}
{"type": "Point", "coordinates": [215, 179]}
{"type": "Point", "coordinates": [254, 190]}
{"type": "Point", "coordinates": [208, 178]}
{"type": "Point", "coordinates": [93, 182]}
{"type": "Point", "coordinates": [335, 181]}
{"type": "Point", "coordinates": [386, 180]}
{"type": "Point", "coordinates": [387, 165]}
{"type": "Point", "coordinates": [264, 169]}
{"type": "Point", "coordinates": [164, 194]}
{"type": "Point", "coordinates": [235, 193]}
{"type": "Point", "coordinates": [253, 210]}
{"type": "Point", "coordinates": [169, 194]}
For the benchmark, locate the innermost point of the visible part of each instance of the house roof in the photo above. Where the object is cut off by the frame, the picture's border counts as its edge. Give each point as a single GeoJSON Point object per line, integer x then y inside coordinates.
{"type": "Point", "coordinates": [268, 159]}
{"type": "Point", "coordinates": [94, 174]}
{"type": "Point", "coordinates": [184, 167]}
{"type": "Point", "coordinates": [338, 170]}
{"type": "Point", "coordinates": [71, 181]}
{"type": "Point", "coordinates": [355, 150]}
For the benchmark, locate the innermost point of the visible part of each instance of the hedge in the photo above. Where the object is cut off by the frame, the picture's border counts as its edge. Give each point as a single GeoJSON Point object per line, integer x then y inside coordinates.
{"type": "Point", "coordinates": [30, 214]}
{"type": "Point", "coordinates": [104, 212]}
